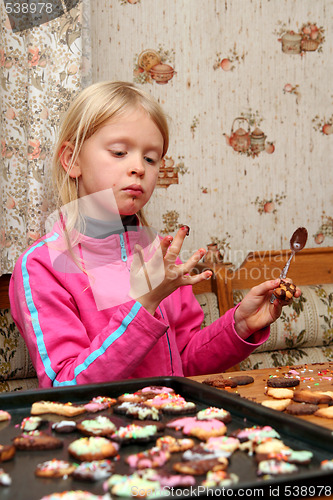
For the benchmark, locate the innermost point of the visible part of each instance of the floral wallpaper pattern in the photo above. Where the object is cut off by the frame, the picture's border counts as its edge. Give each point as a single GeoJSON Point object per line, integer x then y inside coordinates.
{"type": "Point", "coordinates": [269, 66]}
{"type": "Point", "coordinates": [41, 69]}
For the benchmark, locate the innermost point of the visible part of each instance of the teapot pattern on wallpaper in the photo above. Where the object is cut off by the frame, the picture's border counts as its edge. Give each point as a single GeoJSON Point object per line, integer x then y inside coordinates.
{"type": "Point", "coordinates": [309, 38]}
{"type": "Point", "coordinates": [151, 65]}
{"type": "Point", "coordinates": [247, 138]}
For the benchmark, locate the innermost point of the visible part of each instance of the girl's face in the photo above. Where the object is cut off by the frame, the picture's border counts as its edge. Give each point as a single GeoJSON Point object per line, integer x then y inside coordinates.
{"type": "Point", "coordinates": [124, 155]}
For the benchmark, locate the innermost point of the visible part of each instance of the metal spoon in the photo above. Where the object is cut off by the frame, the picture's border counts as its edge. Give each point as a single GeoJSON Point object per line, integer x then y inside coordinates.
{"type": "Point", "coordinates": [297, 243]}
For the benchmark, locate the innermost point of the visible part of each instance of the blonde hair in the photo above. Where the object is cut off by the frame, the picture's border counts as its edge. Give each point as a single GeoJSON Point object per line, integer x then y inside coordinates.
{"type": "Point", "coordinates": [91, 110]}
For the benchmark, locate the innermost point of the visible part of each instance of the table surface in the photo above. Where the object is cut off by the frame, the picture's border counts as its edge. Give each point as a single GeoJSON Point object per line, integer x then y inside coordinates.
{"type": "Point", "coordinates": [316, 377]}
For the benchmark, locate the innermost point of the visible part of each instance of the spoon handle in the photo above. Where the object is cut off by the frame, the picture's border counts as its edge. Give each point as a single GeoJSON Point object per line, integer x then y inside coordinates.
{"type": "Point", "coordinates": [286, 267]}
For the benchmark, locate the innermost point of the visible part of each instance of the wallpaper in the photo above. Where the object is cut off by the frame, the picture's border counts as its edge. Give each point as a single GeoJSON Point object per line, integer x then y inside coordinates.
{"type": "Point", "coordinates": [247, 86]}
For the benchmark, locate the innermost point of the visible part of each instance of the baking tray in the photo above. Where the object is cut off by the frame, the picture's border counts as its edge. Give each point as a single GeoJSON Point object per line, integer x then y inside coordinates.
{"type": "Point", "coordinates": [298, 434]}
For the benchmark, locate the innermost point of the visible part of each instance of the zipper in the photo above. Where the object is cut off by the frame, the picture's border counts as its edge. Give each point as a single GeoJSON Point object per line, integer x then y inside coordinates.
{"type": "Point", "coordinates": [123, 248]}
{"type": "Point", "coordinates": [167, 337]}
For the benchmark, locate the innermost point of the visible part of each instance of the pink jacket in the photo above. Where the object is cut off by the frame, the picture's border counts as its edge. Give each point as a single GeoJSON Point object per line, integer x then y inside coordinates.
{"type": "Point", "coordinates": [73, 337]}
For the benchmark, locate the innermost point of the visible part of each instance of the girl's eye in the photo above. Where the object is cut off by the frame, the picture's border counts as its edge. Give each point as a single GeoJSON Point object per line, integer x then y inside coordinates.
{"type": "Point", "coordinates": [151, 161]}
{"type": "Point", "coordinates": [118, 154]}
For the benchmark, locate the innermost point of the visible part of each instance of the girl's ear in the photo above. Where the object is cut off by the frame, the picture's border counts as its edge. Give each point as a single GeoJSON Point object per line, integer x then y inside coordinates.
{"type": "Point", "coordinates": [65, 157]}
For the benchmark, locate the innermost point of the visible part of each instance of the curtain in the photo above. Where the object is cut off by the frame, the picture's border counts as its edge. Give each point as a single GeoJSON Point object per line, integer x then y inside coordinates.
{"type": "Point", "coordinates": [42, 68]}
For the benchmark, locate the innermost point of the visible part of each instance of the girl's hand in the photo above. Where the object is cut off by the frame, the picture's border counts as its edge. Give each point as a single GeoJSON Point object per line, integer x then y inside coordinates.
{"type": "Point", "coordinates": [256, 311]}
{"type": "Point", "coordinates": [156, 275]}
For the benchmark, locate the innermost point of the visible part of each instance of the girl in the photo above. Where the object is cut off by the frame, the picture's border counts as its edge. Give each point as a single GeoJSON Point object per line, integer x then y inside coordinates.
{"type": "Point", "coordinates": [91, 298]}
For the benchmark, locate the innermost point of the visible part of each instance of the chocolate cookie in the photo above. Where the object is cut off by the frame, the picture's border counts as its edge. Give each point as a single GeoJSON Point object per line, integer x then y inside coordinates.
{"type": "Point", "coordinates": [242, 379]}
{"type": "Point", "coordinates": [199, 467]}
{"type": "Point", "coordinates": [282, 382]}
{"type": "Point", "coordinates": [36, 440]}
{"type": "Point", "coordinates": [64, 426]}
{"type": "Point", "coordinates": [219, 382]}
{"type": "Point", "coordinates": [301, 408]}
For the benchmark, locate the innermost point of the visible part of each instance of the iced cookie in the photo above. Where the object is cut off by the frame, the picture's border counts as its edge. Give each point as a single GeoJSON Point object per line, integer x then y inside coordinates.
{"type": "Point", "coordinates": [174, 445]}
{"type": "Point", "coordinates": [275, 468]}
{"type": "Point", "coordinates": [214, 447]}
{"type": "Point", "coordinates": [202, 429]}
{"type": "Point", "coordinates": [64, 426]}
{"type": "Point", "coordinates": [255, 432]}
{"type": "Point", "coordinates": [99, 403]}
{"type": "Point", "coordinates": [134, 433]}
{"type": "Point", "coordinates": [94, 470]}
{"type": "Point", "coordinates": [130, 485]}
{"type": "Point", "coordinates": [99, 426]}
{"type": "Point", "coordinates": [219, 479]}
{"type": "Point", "coordinates": [199, 467]}
{"type": "Point", "coordinates": [217, 413]}
{"type": "Point", "coordinates": [64, 409]}
{"type": "Point", "coordinates": [30, 423]}
{"type": "Point", "coordinates": [5, 479]}
{"type": "Point", "coordinates": [92, 448]}
{"type": "Point", "coordinates": [139, 411]}
{"type": "Point", "coordinates": [73, 495]}
{"type": "Point", "coordinates": [170, 480]}
{"type": "Point", "coordinates": [54, 468]}
{"type": "Point", "coordinates": [36, 440]}
{"type": "Point", "coordinates": [148, 459]}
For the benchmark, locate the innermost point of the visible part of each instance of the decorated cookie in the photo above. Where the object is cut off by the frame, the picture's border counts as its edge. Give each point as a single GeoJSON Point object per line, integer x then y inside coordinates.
{"type": "Point", "coordinates": [199, 467]}
{"type": "Point", "coordinates": [202, 429]}
{"type": "Point", "coordinates": [133, 397]}
{"type": "Point", "coordinates": [275, 468]}
{"type": "Point", "coordinates": [327, 464]}
{"type": "Point", "coordinates": [148, 459]}
{"type": "Point", "coordinates": [170, 480]}
{"type": "Point", "coordinates": [131, 485]}
{"type": "Point", "coordinates": [134, 433]}
{"type": "Point", "coordinates": [7, 452]}
{"type": "Point", "coordinates": [139, 411]}
{"type": "Point", "coordinates": [4, 416]}
{"type": "Point", "coordinates": [282, 382]}
{"type": "Point", "coordinates": [64, 426]}
{"type": "Point", "coordinates": [214, 447]}
{"type": "Point", "coordinates": [94, 470]}
{"type": "Point", "coordinates": [99, 426]}
{"type": "Point", "coordinates": [30, 423]}
{"type": "Point", "coordinates": [152, 390]}
{"type": "Point", "coordinates": [73, 495]}
{"type": "Point", "coordinates": [5, 479]}
{"type": "Point", "coordinates": [54, 468]}
{"type": "Point", "coordinates": [217, 413]}
{"type": "Point", "coordinates": [255, 432]}
{"type": "Point", "coordinates": [174, 445]}
{"type": "Point", "coordinates": [99, 403]}
{"type": "Point", "coordinates": [92, 448]}
{"type": "Point", "coordinates": [301, 457]}
{"type": "Point", "coordinates": [219, 479]}
{"type": "Point", "coordinates": [171, 403]}
{"type": "Point", "coordinates": [36, 440]}
{"type": "Point", "coordinates": [64, 409]}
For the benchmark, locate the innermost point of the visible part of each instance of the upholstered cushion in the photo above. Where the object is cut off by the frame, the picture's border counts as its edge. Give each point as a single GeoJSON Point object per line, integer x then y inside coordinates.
{"type": "Point", "coordinates": [15, 362]}
{"type": "Point", "coordinates": [209, 305]}
{"type": "Point", "coordinates": [302, 334]}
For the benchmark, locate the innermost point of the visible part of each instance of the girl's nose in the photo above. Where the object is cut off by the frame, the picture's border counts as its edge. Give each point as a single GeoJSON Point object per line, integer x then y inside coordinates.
{"type": "Point", "coordinates": [137, 166]}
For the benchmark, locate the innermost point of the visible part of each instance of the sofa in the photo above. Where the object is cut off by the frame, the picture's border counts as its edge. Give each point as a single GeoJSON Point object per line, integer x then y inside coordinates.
{"type": "Point", "coordinates": [303, 334]}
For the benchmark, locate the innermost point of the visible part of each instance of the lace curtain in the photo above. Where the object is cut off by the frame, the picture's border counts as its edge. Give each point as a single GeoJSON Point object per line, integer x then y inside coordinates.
{"type": "Point", "coordinates": [42, 68]}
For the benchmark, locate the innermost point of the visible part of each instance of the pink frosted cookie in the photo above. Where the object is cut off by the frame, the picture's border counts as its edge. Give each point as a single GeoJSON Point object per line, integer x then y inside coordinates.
{"type": "Point", "coordinates": [148, 459]}
{"type": "Point", "coordinates": [172, 480]}
{"type": "Point", "coordinates": [202, 429]}
{"type": "Point", "coordinates": [94, 470]}
{"type": "Point", "coordinates": [255, 432]}
{"type": "Point", "coordinates": [156, 389]}
{"type": "Point", "coordinates": [4, 415]}
{"type": "Point", "coordinates": [99, 403]}
{"type": "Point", "coordinates": [212, 412]}
{"type": "Point", "coordinates": [171, 403]}
{"type": "Point", "coordinates": [222, 446]}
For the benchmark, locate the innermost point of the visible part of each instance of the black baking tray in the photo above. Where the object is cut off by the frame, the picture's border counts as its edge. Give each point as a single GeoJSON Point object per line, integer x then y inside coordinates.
{"type": "Point", "coordinates": [309, 481]}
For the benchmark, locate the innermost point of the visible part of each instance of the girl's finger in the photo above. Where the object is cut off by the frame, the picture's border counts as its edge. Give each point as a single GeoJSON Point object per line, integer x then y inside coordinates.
{"type": "Point", "coordinates": [165, 244]}
{"type": "Point", "coordinates": [193, 260]}
{"type": "Point", "coordinates": [175, 247]}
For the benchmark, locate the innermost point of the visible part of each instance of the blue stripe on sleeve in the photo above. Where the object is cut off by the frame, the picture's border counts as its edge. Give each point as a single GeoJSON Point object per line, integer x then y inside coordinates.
{"type": "Point", "coordinates": [107, 342]}
{"type": "Point", "coordinates": [33, 310]}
